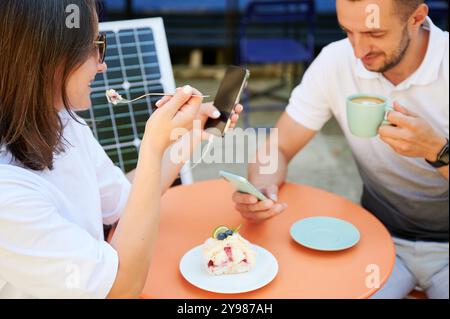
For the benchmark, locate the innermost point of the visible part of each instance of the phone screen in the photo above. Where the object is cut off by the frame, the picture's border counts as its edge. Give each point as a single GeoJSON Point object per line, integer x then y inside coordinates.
{"type": "Point", "coordinates": [228, 96]}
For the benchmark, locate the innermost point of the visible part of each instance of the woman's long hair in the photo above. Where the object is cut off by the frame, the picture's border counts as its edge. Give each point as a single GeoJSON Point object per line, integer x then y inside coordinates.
{"type": "Point", "coordinates": [38, 53]}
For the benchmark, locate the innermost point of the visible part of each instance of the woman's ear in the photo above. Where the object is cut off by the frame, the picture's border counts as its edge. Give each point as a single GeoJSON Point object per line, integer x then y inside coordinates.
{"type": "Point", "coordinates": [102, 67]}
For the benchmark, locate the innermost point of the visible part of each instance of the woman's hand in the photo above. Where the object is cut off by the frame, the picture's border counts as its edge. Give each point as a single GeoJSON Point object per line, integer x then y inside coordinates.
{"type": "Point", "coordinates": [206, 111]}
{"type": "Point", "coordinates": [179, 112]}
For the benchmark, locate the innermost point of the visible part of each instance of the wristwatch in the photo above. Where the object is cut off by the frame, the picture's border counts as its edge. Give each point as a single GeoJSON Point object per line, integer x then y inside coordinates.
{"type": "Point", "coordinates": [443, 158]}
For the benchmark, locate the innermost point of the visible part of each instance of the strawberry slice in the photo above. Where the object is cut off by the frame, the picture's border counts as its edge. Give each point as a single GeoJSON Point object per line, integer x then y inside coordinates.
{"type": "Point", "coordinates": [228, 252]}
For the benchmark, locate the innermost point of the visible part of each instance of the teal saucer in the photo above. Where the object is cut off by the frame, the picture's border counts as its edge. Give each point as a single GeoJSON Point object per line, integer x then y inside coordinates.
{"type": "Point", "coordinates": [325, 234]}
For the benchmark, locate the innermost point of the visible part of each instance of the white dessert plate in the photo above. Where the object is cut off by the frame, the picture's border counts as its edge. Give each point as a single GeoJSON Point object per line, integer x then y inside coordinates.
{"type": "Point", "coordinates": [193, 270]}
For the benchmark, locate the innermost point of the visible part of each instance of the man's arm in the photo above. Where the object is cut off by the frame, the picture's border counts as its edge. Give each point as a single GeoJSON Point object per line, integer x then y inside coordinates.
{"type": "Point", "coordinates": [287, 147]}
{"type": "Point", "coordinates": [292, 137]}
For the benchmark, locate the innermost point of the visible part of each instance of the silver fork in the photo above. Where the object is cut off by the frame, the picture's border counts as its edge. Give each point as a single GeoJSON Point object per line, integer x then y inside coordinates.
{"type": "Point", "coordinates": [125, 101]}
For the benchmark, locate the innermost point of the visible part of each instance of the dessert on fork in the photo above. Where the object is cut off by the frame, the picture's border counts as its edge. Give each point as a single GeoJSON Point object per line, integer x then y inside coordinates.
{"type": "Point", "coordinates": [227, 252]}
{"type": "Point", "coordinates": [113, 97]}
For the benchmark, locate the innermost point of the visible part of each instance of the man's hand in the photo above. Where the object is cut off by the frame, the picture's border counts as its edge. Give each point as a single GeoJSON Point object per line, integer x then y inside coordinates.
{"type": "Point", "coordinates": [411, 135]}
{"type": "Point", "coordinates": [258, 211]}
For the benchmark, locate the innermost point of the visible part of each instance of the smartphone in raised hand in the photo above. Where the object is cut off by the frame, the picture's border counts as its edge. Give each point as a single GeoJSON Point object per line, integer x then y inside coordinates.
{"type": "Point", "coordinates": [227, 97]}
{"type": "Point", "coordinates": [243, 185]}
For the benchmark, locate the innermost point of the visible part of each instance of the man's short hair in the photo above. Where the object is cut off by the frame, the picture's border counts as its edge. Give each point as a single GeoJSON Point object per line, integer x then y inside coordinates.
{"type": "Point", "coordinates": [405, 8]}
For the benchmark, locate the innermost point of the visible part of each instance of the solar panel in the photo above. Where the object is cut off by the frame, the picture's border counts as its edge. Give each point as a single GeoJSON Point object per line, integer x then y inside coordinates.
{"type": "Point", "coordinates": [138, 63]}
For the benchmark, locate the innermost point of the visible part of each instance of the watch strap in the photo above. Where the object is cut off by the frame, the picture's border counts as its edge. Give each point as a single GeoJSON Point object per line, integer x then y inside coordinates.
{"type": "Point", "coordinates": [443, 157]}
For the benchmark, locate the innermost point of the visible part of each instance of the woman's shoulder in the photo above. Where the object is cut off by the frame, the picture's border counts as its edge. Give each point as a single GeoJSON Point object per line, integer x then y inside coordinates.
{"type": "Point", "coordinates": [24, 196]}
{"type": "Point", "coordinates": [9, 171]}
{"type": "Point", "coordinates": [20, 182]}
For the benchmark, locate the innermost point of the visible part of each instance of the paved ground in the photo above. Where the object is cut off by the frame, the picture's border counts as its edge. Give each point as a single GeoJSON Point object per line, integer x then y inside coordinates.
{"type": "Point", "coordinates": [325, 163]}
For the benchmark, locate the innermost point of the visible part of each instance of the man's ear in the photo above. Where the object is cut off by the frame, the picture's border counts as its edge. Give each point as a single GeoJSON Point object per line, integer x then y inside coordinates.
{"type": "Point", "coordinates": [419, 16]}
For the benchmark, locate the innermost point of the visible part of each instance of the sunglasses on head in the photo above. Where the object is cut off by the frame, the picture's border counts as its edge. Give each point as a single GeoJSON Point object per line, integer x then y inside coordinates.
{"type": "Point", "coordinates": [101, 45]}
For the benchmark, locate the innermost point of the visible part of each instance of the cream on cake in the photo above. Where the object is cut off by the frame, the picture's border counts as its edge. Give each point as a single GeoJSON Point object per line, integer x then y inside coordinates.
{"type": "Point", "coordinates": [228, 253]}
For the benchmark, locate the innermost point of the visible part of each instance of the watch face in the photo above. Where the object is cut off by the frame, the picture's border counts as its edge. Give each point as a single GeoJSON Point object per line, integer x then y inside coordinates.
{"type": "Point", "coordinates": [444, 156]}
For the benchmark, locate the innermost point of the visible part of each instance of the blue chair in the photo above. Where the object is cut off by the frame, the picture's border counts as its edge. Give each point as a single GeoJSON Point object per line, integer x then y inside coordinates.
{"type": "Point", "coordinates": [276, 32]}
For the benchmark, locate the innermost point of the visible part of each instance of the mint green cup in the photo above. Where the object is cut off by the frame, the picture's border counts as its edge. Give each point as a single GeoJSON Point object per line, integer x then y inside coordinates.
{"type": "Point", "coordinates": [366, 117]}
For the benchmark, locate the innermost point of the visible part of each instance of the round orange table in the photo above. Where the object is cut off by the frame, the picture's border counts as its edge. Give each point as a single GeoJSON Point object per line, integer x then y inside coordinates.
{"type": "Point", "coordinates": [190, 213]}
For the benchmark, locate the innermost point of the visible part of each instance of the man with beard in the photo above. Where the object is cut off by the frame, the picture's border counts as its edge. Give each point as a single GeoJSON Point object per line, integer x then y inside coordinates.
{"type": "Point", "coordinates": [392, 49]}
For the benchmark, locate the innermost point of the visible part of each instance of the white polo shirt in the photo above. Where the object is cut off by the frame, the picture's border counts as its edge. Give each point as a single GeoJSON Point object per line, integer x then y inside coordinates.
{"type": "Point", "coordinates": [51, 222]}
{"type": "Point", "coordinates": [408, 195]}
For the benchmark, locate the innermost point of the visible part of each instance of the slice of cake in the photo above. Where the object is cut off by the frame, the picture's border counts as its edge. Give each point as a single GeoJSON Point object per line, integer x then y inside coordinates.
{"type": "Point", "coordinates": [227, 252]}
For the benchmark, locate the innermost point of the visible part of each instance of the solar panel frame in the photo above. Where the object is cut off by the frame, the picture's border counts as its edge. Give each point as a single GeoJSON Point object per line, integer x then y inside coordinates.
{"type": "Point", "coordinates": [139, 62]}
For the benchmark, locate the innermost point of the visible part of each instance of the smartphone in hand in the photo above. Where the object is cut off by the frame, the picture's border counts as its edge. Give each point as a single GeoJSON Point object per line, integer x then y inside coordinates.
{"type": "Point", "coordinates": [242, 185]}
{"type": "Point", "coordinates": [228, 95]}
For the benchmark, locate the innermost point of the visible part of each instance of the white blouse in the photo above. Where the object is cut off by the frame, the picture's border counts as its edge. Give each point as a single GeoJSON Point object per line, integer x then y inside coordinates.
{"type": "Point", "coordinates": [51, 222]}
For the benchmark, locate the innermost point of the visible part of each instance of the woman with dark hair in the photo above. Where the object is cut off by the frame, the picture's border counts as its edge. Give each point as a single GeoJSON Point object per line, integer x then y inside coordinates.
{"type": "Point", "coordinates": [57, 185]}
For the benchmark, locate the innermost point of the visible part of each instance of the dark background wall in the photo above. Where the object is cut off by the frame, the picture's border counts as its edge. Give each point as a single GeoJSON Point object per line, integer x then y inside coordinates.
{"type": "Point", "coordinates": [213, 25]}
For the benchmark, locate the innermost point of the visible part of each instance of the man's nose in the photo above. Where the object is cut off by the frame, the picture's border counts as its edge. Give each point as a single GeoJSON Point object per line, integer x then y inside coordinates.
{"type": "Point", "coordinates": [361, 46]}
